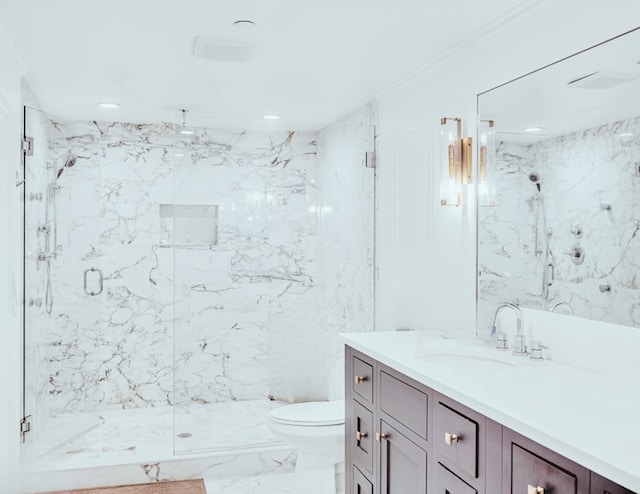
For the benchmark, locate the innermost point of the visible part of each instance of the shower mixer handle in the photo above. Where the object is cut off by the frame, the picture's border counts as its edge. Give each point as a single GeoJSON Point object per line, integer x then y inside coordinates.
{"type": "Point", "coordinates": [577, 254]}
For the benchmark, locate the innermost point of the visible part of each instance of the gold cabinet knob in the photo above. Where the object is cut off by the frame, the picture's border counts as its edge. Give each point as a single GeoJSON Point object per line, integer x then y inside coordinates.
{"type": "Point", "coordinates": [381, 436]}
{"type": "Point", "coordinates": [361, 435]}
{"type": "Point", "coordinates": [452, 439]}
{"type": "Point", "coordinates": [534, 490]}
{"type": "Point", "coordinates": [359, 379]}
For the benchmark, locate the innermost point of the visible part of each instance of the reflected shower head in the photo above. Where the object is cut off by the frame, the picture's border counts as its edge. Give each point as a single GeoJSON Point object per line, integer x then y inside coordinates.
{"type": "Point", "coordinates": [71, 160]}
{"type": "Point", "coordinates": [535, 178]}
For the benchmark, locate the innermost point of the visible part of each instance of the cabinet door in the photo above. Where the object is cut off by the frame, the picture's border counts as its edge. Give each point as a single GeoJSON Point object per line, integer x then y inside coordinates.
{"type": "Point", "coordinates": [403, 464]}
{"type": "Point", "coordinates": [600, 485]}
{"type": "Point", "coordinates": [360, 437]}
{"type": "Point", "coordinates": [360, 483]}
{"type": "Point", "coordinates": [448, 483]}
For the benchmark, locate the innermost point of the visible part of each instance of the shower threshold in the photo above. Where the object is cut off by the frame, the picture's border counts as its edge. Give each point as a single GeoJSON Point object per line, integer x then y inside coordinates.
{"type": "Point", "coordinates": [152, 435]}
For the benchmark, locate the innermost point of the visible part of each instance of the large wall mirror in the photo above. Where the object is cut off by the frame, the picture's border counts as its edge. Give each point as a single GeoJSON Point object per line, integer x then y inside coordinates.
{"type": "Point", "coordinates": [564, 233]}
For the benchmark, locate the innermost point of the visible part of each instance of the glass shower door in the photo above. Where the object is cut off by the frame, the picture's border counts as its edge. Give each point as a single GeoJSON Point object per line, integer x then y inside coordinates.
{"type": "Point", "coordinates": [62, 287]}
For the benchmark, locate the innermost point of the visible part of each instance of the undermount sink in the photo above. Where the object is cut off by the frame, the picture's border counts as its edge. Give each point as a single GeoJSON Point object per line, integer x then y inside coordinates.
{"type": "Point", "coordinates": [463, 360]}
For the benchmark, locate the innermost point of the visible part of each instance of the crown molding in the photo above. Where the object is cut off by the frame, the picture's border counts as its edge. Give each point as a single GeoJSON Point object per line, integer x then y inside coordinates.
{"type": "Point", "coordinates": [514, 18]}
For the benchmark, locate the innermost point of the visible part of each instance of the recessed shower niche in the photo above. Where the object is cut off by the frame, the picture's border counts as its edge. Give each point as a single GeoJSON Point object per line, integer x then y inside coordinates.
{"type": "Point", "coordinates": [188, 224]}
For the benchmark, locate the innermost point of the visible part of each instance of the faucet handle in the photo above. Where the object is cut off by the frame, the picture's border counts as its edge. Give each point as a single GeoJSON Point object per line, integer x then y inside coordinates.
{"type": "Point", "coordinates": [536, 350]}
{"type": "Point", "coordinates": [521, 345]}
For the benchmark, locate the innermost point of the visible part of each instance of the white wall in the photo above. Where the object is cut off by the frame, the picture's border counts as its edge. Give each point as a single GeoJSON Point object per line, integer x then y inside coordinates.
{"type": "Point", "coordinates": [11, 70]}
{"type": "Point", "coordinates": [426, 253]}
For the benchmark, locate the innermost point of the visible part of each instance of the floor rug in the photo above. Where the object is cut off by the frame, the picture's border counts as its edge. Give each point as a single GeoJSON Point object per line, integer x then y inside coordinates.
{"type": "Point", "coordinates": [181, 487]}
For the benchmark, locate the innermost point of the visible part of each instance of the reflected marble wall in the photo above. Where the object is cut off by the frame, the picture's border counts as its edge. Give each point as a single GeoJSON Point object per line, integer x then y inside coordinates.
{"type": "Point", "coordinates": [587, 180]}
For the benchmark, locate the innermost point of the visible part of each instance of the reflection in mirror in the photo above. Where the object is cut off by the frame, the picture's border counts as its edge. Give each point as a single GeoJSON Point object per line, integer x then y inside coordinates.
{"type": "Point", "coordinates": [564, 234]}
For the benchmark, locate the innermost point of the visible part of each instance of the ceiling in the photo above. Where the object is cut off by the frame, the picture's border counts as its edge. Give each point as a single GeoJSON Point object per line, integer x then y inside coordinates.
{"type": "Point", "coordinates": [313, 62]}
{"type": "Point", "coordinates": [546, 100]}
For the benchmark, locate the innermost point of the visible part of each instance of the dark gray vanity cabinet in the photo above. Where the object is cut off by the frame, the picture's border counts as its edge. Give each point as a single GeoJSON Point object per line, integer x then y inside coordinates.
{"type": "Point", "coordinates": [405, 438]}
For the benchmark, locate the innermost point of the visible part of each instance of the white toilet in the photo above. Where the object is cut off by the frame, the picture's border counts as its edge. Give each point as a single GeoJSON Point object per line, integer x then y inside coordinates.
{"type": "Point", "coordinates": [316, 431]}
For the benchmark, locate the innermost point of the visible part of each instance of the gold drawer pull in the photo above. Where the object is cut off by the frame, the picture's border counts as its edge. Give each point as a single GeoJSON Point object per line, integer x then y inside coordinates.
{"type": "Point", "coordinates": [381, 436]}
{"type": "Point", "coordinates": [535, 490]}
{"type": "Point", "coordinates": [452, 439]}
{"type": "Point", "coordinates": [361, 435]}
{"type": "Point", "coordinates": [359, 379]}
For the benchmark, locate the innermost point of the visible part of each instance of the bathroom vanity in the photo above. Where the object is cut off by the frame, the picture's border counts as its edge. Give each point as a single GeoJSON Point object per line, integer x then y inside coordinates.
{"type": "Point", "coordinates": [426, 414]}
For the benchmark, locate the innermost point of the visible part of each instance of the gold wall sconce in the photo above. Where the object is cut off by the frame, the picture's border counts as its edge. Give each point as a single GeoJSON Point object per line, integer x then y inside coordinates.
{"type": "Point", "coordinates": [486, 163]}
{"type": "Point", "coordinates": [456, 159]}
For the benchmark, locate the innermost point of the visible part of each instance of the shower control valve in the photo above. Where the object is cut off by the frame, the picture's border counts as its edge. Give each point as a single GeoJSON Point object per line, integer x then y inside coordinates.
{"type": "Point", "coordinates": [577, 254]}
{"type": "Point", "coordinates": [577, 231]}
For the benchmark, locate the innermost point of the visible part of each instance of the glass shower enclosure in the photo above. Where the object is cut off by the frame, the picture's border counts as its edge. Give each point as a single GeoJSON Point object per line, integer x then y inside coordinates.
{"type": "Point", "coordinates": [175, 275]}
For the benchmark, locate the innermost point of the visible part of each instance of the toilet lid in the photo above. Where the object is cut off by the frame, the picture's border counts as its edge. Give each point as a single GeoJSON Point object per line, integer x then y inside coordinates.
{"type": "Point", "coordinates": [311, 413]}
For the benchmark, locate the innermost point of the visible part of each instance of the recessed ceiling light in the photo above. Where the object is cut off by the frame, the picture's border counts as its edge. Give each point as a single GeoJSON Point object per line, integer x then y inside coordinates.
{"type": "Point", "coordinates": [533, 129]}
{"type": "Point", "coordinates": [271, 117]}
{"type": "Point", "coordinates": [187, 132]}
{"type": "Point", "coordinates": [178, 155]}
{"type": "Point", "coordinates": [108, 104]}
{"type": "Point", "coordinates": [626, 134]}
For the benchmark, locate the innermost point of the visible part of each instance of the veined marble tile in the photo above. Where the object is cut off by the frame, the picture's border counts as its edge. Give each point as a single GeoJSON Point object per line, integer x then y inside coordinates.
{"type": "Point", "coordinates": [587, 181]}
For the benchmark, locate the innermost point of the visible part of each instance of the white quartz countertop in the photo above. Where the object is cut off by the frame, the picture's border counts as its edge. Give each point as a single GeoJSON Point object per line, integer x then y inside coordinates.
{"type": "Point", "coordinates": [591, 419]}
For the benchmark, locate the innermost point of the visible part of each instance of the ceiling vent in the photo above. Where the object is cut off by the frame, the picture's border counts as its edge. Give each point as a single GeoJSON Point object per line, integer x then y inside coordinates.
{"type": "Point", "coordinates": [222, 50]}
{"type": "Point", "coordinates": [602, 80]}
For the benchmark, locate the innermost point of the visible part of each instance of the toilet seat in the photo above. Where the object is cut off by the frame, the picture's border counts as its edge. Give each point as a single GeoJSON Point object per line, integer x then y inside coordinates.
{"type": "Point", "coordinates": [316, 413]}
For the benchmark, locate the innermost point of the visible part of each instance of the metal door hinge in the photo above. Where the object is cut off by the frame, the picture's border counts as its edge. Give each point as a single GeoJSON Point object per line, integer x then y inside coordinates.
{"type": "Point", "coordinates": [27, 145]}
{"type": "Point", "coordinates": [370, 159]}
{"type": "Point", "coordinates": [25, 426]}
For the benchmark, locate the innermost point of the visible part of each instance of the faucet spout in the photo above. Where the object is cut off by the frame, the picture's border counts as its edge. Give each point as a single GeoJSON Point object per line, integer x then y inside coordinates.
{"type": "Point", "coordinates": [520, 342]}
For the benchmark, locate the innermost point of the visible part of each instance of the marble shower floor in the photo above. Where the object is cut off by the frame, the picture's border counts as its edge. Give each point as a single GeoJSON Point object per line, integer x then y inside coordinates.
{"type": "Point", "coordinates": [155, 434]}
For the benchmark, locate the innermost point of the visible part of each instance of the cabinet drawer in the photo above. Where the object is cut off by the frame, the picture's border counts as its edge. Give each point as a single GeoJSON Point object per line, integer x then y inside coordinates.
{"type": "Point", "coordinates": [528, 469]}
{"type": "Point", "coordinates": [448, 483]}
{"type": "Point", "coordinates": [360, 483]}
{"type": "Point", "coordinates": [403, 402]}
{"type": "Point", "coordinates": [362, 381]}
{"type": "Point", "coordinates": [456, 438]}
{"type": "Point", "coordinates": [361, 437]}
{"type": "Point", "coordinates": [600, 485]}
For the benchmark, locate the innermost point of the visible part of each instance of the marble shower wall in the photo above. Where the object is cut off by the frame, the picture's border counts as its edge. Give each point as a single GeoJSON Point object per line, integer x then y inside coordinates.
{"type": "Point", "coordinates": [587, 180]}
{"type": "Point", "coordinates": [238, 302]}
{"type": "Point", "coordinates": [255, 311]}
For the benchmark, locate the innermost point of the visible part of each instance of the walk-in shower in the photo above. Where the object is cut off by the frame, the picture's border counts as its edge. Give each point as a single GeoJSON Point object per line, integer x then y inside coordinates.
{"type": "Point", "coordinates": [189, 283]}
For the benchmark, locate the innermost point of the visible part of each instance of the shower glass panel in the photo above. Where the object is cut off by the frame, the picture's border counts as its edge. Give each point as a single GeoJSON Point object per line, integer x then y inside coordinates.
{"type": "Point", "coordinates": [62, 285]}
{"type": "Point", "coordinates": [271, 236]}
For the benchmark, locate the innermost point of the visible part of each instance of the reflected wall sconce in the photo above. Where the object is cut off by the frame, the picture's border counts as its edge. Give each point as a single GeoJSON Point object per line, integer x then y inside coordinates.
{"type": "Point", "coordinates": [486, 163]}
{"type": "Point", "coordinates": [456, 157]}
{"type": "Point", "coordinates": [184, 130]}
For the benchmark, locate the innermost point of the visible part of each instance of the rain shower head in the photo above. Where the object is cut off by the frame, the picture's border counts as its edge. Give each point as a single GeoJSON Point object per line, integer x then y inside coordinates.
{"type": "Point", "coordinates": [534, 177]}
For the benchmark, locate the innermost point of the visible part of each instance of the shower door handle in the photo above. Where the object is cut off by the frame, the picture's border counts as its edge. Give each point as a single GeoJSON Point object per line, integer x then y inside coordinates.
{"type": "Point", "coordinates": [100, 281]}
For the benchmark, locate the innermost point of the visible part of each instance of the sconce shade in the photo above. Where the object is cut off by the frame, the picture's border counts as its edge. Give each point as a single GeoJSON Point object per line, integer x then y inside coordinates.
{"type": "Point", "coordinates": [456, 160]}
{"type": "Point", "coordinates": [486, 163]}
